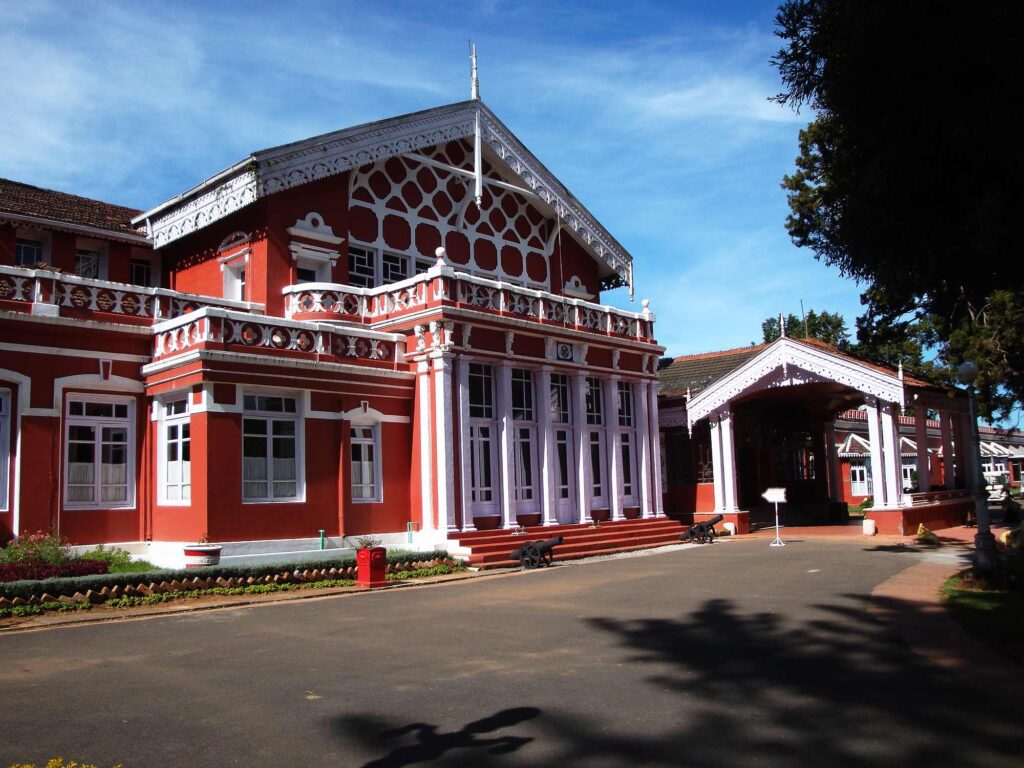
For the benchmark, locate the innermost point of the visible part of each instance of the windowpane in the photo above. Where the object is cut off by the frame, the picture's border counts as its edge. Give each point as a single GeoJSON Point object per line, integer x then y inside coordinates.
{"type": "Point", "coordinates": [98, 453]}
{"type": "Point", "coordinates": [141, 272]}
{"type": "Point", "coordinates": [361, 270]}
{"type": "Point", "coordinates": [481, 391]}
{"type": "Point", "coordinates": [27, 253]}
{"type": "Point", "coordinates": [595, 464]}
{"type": "Point", "coordinates": [559, 398]}
{"type": "Point", "coordinates": [595, 403]}
{"type": "Point", "coordinates": [522, 395]}
{"type": "Point", "coordinates": [625, 393]}
{"type": "Point", "coordinates": [396, 267]}
{"type": "Point", "coordinates": [87, 264]}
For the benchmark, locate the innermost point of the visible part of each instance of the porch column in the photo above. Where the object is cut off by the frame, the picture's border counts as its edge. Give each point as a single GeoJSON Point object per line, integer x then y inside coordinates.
{"type": "Point", "coordinates": [444, 421]}
{"type": "Point", "coordinates": [921, 436]}
{"type": "Point", "coordinates": [877, 465]}
{"type": "Point", "coordinates": [614, 442]}
{"type": "Point", "coordinates": [655, 441]}
{"type": "Point", "coordinates": [643, 442]}
{"type": "Point", "coordinates": [728, 461]}
{"type": "Point", "coordinates": [426, 444]}
{"type": "Point", "coordinates": [584, 481]}
{"type": "Point", "coordinates": [893, 462]}
{"type": "Point", "coordinates": [465, 449]}
{"type": "Point", "coordinates": [835, 486]}
{"type": "Point", "coordinates": [717, 462]}
{"type": "Point", "coordinates": [546, 435]}
{"type": "Point", "coordinates": [948, 477]}
{"type": "Point", "coordinates": [506, 468]}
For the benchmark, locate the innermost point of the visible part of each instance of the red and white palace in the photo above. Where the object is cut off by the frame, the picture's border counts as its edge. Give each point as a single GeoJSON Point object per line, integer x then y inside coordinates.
{"type": "Point", "coordinates": [394, 329]}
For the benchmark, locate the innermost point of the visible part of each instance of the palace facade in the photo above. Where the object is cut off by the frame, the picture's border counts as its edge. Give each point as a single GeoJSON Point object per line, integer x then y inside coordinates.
{"type": "Point", "coordinates": [393, 330]}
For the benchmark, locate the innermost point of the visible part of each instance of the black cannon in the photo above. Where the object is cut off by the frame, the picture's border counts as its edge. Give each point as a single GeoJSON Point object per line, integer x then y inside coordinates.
{"type": "Point", "coordinates": [702, 533]}
{"type": "Point", "coordinates": [534, 554]}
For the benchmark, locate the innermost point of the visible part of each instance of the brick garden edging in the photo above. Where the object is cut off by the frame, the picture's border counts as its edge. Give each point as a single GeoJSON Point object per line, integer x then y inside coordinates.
{"type": "Point", "coordinates": [142, 588]}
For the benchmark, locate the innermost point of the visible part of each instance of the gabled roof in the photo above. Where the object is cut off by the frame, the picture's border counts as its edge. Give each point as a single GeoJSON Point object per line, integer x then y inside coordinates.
{"type": "Point", "coordinates": [291, 165]}
{"type": "Point", "coordinates": [692, 373]}
{"type": "Point", "coordinates": [35, 205]}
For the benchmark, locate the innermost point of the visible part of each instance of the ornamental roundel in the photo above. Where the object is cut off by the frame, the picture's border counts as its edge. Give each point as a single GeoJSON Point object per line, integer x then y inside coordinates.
{"type": "Point", "coordinates": [402, 206]}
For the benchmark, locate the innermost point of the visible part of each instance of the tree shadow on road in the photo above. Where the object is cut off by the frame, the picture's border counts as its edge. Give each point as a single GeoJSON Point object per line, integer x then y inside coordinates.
{"type": "Point", "coordinates": [431, 745]}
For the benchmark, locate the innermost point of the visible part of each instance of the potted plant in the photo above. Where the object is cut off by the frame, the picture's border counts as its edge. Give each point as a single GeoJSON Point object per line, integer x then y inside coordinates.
{"type": "Point", "coordinates": [371, 562]}
{"type": "Point", "coordinates": [202, 553]}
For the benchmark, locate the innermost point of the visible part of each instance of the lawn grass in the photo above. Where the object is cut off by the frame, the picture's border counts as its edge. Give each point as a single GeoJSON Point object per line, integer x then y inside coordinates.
{"type": "Point", "coordinates": [992, 612]}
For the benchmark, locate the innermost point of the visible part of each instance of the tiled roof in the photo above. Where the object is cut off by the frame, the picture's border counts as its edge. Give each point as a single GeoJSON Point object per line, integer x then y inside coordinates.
{"type": "Point", "coordinates": [26, 200]}
{"type": "Point", "coordinates": [699, 371]}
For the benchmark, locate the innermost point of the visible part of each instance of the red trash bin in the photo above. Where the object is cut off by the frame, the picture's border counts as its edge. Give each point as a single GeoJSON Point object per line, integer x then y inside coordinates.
{"type": "Point", "coordinates": [371, 563]}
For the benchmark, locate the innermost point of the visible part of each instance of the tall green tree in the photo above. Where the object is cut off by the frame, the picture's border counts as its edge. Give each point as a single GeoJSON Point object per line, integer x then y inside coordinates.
{"type": "Point", "coordinates": [910, 177]}
{"type": "Point", "coordinates": [829, 327]}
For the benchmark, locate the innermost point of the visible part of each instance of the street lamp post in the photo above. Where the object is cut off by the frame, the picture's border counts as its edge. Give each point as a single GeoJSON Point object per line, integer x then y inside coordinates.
{"type": "Point", "coordinates": [984, 542]}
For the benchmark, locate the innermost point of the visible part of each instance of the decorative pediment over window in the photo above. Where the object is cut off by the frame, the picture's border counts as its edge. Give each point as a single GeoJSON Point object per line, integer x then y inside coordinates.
{"type": "Point", "coordinates": [311, 247]}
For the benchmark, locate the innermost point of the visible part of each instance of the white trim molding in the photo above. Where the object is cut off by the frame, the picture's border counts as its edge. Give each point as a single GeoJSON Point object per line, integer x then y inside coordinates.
{"type": "Point", "coordinates": [787, 362]}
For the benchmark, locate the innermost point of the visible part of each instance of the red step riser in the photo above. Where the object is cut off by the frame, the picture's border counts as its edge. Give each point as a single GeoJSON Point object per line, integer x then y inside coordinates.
{"type": "Point", "coordinates": [582, 550]}
{"type": "Point", "coordinates": [577, 541]}
{"type": "Point", "coordinates": [545, 533]}
{"type": "Point", "coordinates": [540, 531]}
{"type": "Point", "coordinates": [578, 556]}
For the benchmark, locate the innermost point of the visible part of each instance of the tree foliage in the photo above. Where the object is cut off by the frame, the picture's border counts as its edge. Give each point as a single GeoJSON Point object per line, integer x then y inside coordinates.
{"type": "Point", "coordinates": [829, 327]}
{"type": "Point", "coordinates": [910, 177]}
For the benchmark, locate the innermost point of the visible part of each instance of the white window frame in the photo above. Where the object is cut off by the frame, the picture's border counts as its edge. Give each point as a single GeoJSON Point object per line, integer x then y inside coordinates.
{"type": "Point", "coordinates": [297, 418]}
{"type": "Point", "coordinates": [907, 469]}
{"type": "Point", "coordinates": [98, 423]}
{"type": "Point", "coordinates": [412, 265]}
{"type": "Point", "coordinates": [484, 419]}
{"type": "Point", "coordinates": [36, 236]}
{"type": "Point", "coordinates": [166, 419]}
{"type": "Point", "coordinates": [99, 249]}
{"type": "Point", "coordinates": [625, 419]}
{"type": "Point", "coordinates": [374, 442]}
{"type": "Point", "coordinates": [859, 486]}
{"type": "Point", "coordinates": [5, 449]}
{"type": "Point", "coordinates": [235, 269]}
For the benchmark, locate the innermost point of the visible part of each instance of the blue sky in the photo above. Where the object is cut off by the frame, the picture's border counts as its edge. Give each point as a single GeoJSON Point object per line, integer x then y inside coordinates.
{"type": "Point", "coordinates": [655, 116]}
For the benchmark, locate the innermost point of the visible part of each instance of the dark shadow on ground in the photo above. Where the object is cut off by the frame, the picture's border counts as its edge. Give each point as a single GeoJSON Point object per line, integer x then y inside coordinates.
{"type": "Point", "coordinates": [430, 745]}
{"type": "Point", "coordinates": [742, 688]}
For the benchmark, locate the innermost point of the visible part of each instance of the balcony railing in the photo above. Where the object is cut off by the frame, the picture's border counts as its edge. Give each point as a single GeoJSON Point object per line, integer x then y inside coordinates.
{"type": "Point", "coordinates": [55, 293]}
{"type": "Point", "coordinates": [442, 286]}
{"type": "Point", "coordinates": [215, 328]}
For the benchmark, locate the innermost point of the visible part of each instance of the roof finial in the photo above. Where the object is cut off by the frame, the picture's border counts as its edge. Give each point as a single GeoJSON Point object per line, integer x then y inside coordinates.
{"type": "Point", "coordinates": [474, 84]}
{"type": "Point", "coordinates": [782, 327]}
{"type": "Point", "coordinates": [899, 371]}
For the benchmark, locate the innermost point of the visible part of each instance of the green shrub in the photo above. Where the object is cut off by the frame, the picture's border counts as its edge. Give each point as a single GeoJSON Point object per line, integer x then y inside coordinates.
{"type": "Point", "coordinates": [71, 585]}
{"type": "Point", "coordinates": [38, 547]}
{"type": "Point", "coordinates": [118, 560]}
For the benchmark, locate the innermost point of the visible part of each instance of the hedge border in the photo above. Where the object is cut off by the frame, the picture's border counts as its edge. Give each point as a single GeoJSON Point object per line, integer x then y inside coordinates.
{"type": "Point", "coordinates": [69, 586]}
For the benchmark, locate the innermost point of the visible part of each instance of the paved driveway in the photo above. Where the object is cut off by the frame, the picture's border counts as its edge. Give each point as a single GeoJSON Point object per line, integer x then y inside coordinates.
{"type": "Point", "coordinates": [732, 654]}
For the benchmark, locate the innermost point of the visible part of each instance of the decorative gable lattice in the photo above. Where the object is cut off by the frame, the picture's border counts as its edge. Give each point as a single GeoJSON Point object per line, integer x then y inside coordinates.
{"type": "Point", "coordinates": [406, 206]}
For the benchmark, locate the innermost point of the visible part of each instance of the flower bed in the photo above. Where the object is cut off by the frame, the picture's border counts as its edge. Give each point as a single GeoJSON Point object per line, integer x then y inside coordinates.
{"type": "Point", "coordinates": [101, 588]}
{"type": "Point", "coordinates": [42, 571]}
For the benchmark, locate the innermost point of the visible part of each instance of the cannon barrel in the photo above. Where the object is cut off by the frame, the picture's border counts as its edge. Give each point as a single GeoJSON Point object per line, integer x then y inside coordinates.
{"type": "Point", "coordinates": [714, 520]}
{"type": "Point", "coordinates": [548, 544]}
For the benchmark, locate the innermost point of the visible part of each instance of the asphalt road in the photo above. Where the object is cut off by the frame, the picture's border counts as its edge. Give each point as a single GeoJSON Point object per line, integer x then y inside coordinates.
{"type": "Point", "coordinates": [731, 654]}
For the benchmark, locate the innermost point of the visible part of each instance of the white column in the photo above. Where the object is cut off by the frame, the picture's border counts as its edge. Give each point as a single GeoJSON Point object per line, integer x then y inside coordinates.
{"type": "Point", "coordinates": [506, 468]}
{"type": "Point", "coordinates": [643, 443]}
{"type": "Point", "coordinates": [548, 459]}
{"type": "Point", "coordinates": [655, 437]}
{"type": "Point", "coordinates": [832, 462]}
{"type": "Point", "coordinates": [465, 449]}
{"type": "Point", "coordinates": [613, 439]}
{"type": "Point", "coordinates": [584, 481]}
{"type": "Point", "coordinates": [717, 462]}
{"type": "Point", "coordinates": [444, 421]}
{"type": "Point", "coordinates": [877, 465]}
{"type": "Point", "coordinates": [948, 477]}
{"type": "Point", "coordinates": [921, 437]}
{"type": "Point", "coordinates": [729, 461]}
{"type": "Point", "coordinates": [426, 444]}
{"type": "Point", "coordinates": [893, 462]}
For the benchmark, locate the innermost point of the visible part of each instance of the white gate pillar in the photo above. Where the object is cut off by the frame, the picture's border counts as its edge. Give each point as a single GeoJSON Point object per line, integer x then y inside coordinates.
{"type": "Point", "coordinates": [921, 437]}
{"type": "Point", "coordinates": [654, 428]}
{"type": "Point", "coordinates": [877, 465]}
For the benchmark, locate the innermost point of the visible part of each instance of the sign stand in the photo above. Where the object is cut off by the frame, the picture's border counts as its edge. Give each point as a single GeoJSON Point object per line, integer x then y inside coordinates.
{"type": "Point", "coordinates": [775, 496]}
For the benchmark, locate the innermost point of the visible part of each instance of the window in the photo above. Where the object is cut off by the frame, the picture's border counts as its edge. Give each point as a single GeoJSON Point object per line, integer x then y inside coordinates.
{"type": "Point", "coordinates": [422, 265]}
{"type": "Point", "coordinates": [87, 263]}
{"type": "Point", "coordinates": [305, 275]}
{"type": "Point", "coordinates": [522, 395]}
{"type": "Point", "coordinates": [625, 402]}
{"type": "Point", "coordinates": [481, 463]}
{"type": "Point", "coordinates": [395, 267]}
{"type": "Point", "coordinates": [28, 253]}
{"type": "Point", "coordinates": [859, 478]}
{"type": "Point", "coordinates": [140, 272]}
{"type": "Point", "coordinates": [5, 445]}
{"type": "Point", "coordinates": [560, 398]}
{"type": "Point", "coordinates": [234, 279]}
{"type": "Point", "coordinates": [595, 404]}
{"type": "Point", "coordinates": [803, 456]}
{"type": "Point", "coordinates": [627, 464]}
{"type": "Point", "coordinates": [523, 440]}
{"type": "Point", "coordinates": [270, 463]}
{"type": "Point", "coordinates": [99, 451]}
{"type": "Point", "coordinates": [481, 391]}
{"type": "Point", "coordinates": [366, 486]}
{"type": "Point", "coordinates": [562, 450]}
{"type": "Point", "coordinates": [361, 267]}
{"type": "Point", "coordinates": [176, 452]}
{"type": "Point", "coordinates": [596, 465]}
{"type": "Point", "coordinates": [908, 470]}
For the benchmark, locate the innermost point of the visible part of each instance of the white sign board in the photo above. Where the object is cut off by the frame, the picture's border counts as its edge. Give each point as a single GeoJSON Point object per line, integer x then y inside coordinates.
{"type": "Point", "coordinates": [775, 495]}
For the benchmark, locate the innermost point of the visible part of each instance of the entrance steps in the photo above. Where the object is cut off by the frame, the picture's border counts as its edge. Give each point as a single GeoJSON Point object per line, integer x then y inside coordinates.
{"type": "Point", "coordinates": [490, 549]}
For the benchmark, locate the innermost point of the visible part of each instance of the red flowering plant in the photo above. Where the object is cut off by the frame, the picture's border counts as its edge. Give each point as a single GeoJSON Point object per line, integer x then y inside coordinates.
{"type": "Point", "coordinates": [42, 555]}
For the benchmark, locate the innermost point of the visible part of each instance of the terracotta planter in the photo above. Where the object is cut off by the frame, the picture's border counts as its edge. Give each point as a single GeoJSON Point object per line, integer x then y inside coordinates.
{"type": "Point", "coordinates": [488, 523]}
{"type": "Point", "coordinates": [602, 515]}
{"type": "Point", "coordinates": [631, 513]}
{"type": "Point", "coordinates": [199, 555]}
{"type": "Point", "coordinates": [527, 520]}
